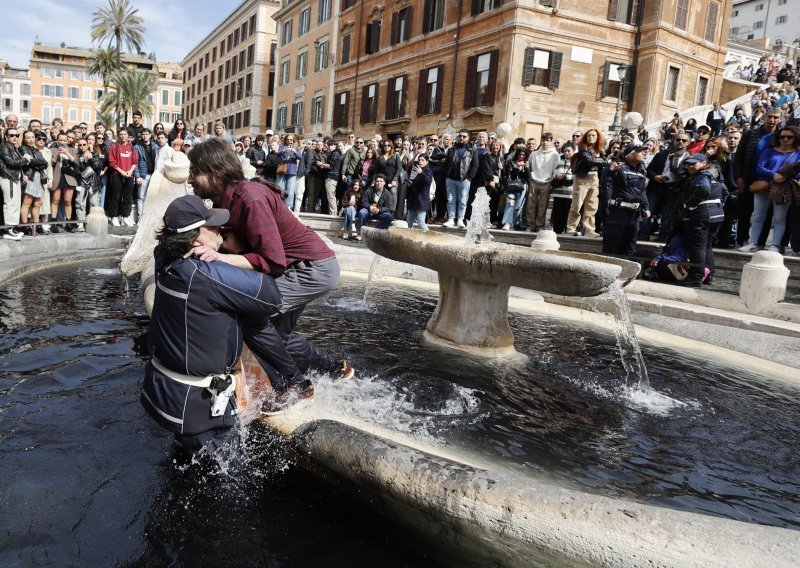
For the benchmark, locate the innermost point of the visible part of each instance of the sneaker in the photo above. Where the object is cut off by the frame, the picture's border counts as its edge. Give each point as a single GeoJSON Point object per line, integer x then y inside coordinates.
{"type": "Point", "coordinates": [128, 222]}
{"type": "Point", "coordinates": [572, 233]}
{"type": "Point", "coordinates": [346, 372]}
{"type": "Point", "coordinates": [450, 223]}
{"type": "Point", "coordinates": [507, 227]}
{"type": "Point", "coordinates": [591, 235]}
{"type": "Point", "coordinates": [460, 224]}
{"type": "Point", "coordinates": [115, 221]}
{"type": "Point", "coordinates": [12, 235]}
{"type": "Point", "coordinates": [81, 228]}
{"type": "Point", "coordinates": [773, 248]}
{"type": "Point", "coordinates": [357, 237]}
{"type": "Point", "coordinates": [45, 228]}
{"type": "Point", "coordinates": [296, 395]}
{"type": "Point", "coordinates": [748, 247]}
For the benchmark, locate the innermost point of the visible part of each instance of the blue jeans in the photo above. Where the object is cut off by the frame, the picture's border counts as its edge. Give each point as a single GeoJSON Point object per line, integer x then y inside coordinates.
{"type": "Point", "coordinates": [512, 214]}
{"type": "Point", "coordinates": [287, 183]}
{"type": "Point", "coordinates": [142, 195]}
{"type": "Point", "coordinates": [419, 217]}
{"type": "Point", "coordinates": [384, 219]}
{"type": "Point", "coordinates": [103, 179]}
{"type": "Point", "coordinates": [349, 217]}
{"type": "Point", "coordinates": [457, 194]}
{"type": "Point", "coordinates": [761, 206]}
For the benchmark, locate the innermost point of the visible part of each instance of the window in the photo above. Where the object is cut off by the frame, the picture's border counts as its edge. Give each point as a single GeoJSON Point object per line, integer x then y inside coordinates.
{"type": "Point", "coordinates": [163, 116]}
{"type": "Point", "coordinates": [396, 97]}
{"type": "Point", "coordinates": [324, 11]}
{"type": "Point", "coordinates": [612, 86]}
{"type": "Point", "coordinates": [542, 68]}
{"type": "Point", "coordinates": [248, 85]}
{"type": "Point", "coordinates": [234, 62]}
{"type": "Point", "coordinates": [481, 6]}
{"type": "Point", "coordinates": [52, 91]}
{"type": "Point", "coordinates": [8, 88]}
{"type": "Point", "coordinates": [25, 106]}
{"type": "Point", "coordinates": [52, 72]}
{"type": "Point", "coordinates": [341, 109]}
{"type": "Point", "coordinates": [481, 79]}
{"type": "Point", "coordinates": [86, 114]}
{"type": "Point", "coordinates": [286, 36]}
{"type": "Point", "coordinates": [8, 105]}
{"type": "Point", "coordinates": [429, 97]}
{"type": "Point", "coordinates": [373, 37]}
{"type": "Point", "coordinates": [228, 69]}
{"type": "Point", "coordinates": [177, 98]}
{"type": "Point", "coordinates": [305, 22]}
{"type": "Point", "coordinates": [318, 109]}
{"type": "Point", "coordinates": [73, 114]}
{"type": "Point", "coordinates": [297, 113]}
{"type": "Point", "coordinates": [734, 13]}
{"type": "Point", "coordinates": [164, 97]}
{"type": "Point", "coordinates": [271, 85]}
{"type": "Point", "coordinates": [282, 112]}
{"type": "Point", "coordinates": [433, 16]}
{"type": "Point", "coordinates": [369, 103]}
{"type": "Point", "coordinates": [781, 2]}
{"type": "Point", "coordinates": [97, 94]}
{"type": "Point", "coordinates": [46, 114]}
{"type": "Point", "coordinates": [681, 14]}
{"type": "Point", "coordinates": [251, 55]}
{"type": "Point", "coordinates": [401, 25]}
{"type": "Point", "coordinates": [625, 11]}
{"type": "Point", "coordinates": [671, 88]}
{"type": "Point", "coordinates": [321, 61]}
{"type": "Point", "coordinates": [344, 56]}
{"type": "Point", "coordinates": [76, 74]}
{"type": "Point", "coordinates": [780, 20]}
{"type": "Point", "coordinates": [711, 21]}
{"type": "Point", "coordinates": [758, 25]}
{"type": "Point", "coordinates": [87, 94]}
{"type": "Point", "coordinates": [241, 60]}
{"type": "Point", "coordinates": [284, 72]}
{"type": "Point", "coordinates": [348, 4]}
{"type": "Point", "coordinates": [302, 65]}
{"type": "Point", "coordinates": [701, 91]}
{"type": "Point", "coordinates": [273, 48]}
{"type": "Point", "coordinates": [222, 48]}
{"type": "Point", "coordinates": [759, 7]}
{"type": "Point", "coordinates": [25, 89]}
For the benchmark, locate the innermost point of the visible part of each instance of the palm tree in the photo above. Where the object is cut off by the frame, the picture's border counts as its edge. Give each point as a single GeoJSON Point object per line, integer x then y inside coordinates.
{"type": "Point", "coordinates": [133, 90]}
{"type": "Point", "coordinates": [103, 63]}
{"type": "Point", "coordinates": [118, 22]}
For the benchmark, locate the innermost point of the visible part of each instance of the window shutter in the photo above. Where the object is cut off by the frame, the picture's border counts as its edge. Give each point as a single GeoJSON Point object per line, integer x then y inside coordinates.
{"type": "Point", "coordinates": [376, 36]}
{"type": "Point", "coordinates": [476, 7]}
{"type": "Point", "coordinates": [337, 111]}
{"type": "Point", "coordinates": [636, 6]}
{"type": "Point", "coordinates": [711, 21]}
{"type": "Point", "coordinates": [527, 67]}
{"type": "Point", "coordinates": [409, 22]}
{"type": "Point", "coordinates": [606, 69]}
{"type": "Point", "coordinates": [422, 92]}
{"type": "Point", "coordinates": [346, 109]}
{"type": "Point", "coordinates": [395, 28]}
{"type": "Point", "coordinates": [491, 88]}
{"type": "Point", "coordinates": [437, 107]}
{"type": "Point", "coordinates": [613, 10]}
{"type": "Point", "coordinates": [364, 104]}
{"type": "Point", "coordinates": [402, 110]}
{"type": "Point", "coordinates": [391, 103]}
{"type": "Point", "coordinates": [427, 17]}
{"type": "Point", "coordinates": [368, 36]}
{"type": "Point", "coordinates": [627, 84]}
{"type": "Point", "coordinates": [469, 83]}
{"type": "Point", "coordinates": [555, 69]}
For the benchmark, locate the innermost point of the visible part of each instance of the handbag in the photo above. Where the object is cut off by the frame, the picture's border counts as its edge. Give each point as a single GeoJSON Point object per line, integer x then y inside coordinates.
{"type": "Point", "coordinates": [283, 168]}
{"type": "Point", "coordinates": [759, 186]}
{"type": "Point", "coordinates": [777, 191]}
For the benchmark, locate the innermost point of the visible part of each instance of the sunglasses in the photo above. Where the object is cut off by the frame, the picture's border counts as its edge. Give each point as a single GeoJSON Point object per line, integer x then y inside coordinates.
{"type": "Point", "coordinates": [681, 139]}
{"type": "Point", "coordinates": [12, 135]}
{"type": "Point", "coordinates": [787, 137]}
{"type": "Point", "coordinates": [462, 136]}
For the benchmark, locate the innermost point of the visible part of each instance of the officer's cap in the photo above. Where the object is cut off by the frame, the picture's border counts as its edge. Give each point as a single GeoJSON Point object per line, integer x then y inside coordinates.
{"type": "Point", "coordinates": [190, 212]}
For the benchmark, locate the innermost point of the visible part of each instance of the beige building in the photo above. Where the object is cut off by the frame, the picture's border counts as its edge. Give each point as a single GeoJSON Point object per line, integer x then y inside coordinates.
{"type": "Point", "coordinates": [16, 92]}
{"type": "Point", "coordinates": [62, 88]}
{"type": "Point", "coordinates": [305, 65]}
{"type": "Point", "coordinates": [228, 75]}
{"type": "Point", "coordinates": [545, 65]}
{"type": "Point", "coordinates": [168, 100]}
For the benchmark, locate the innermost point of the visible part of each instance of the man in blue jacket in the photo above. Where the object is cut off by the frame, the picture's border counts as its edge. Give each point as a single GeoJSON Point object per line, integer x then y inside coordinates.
{"type": "Point", "coordinates": [146, 153]}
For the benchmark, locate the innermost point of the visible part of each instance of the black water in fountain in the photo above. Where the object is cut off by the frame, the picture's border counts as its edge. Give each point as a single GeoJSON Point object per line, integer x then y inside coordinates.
{"type": "Point", "coordinates": [90, 480]}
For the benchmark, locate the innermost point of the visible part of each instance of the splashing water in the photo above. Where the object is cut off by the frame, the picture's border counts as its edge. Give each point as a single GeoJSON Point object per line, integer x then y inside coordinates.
{"type": "Point", "coordinates": [478, 225]}
{"type": "Point", "coordinates": [371, 276]}
{"type": "Point", "coordinates": [615, 307]}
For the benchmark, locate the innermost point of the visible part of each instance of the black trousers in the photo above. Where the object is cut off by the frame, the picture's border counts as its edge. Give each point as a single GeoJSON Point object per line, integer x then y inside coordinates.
{"type": "Point", "coordinates": [621, 230]}
{"type": "Point", "coordinates": [558, 217]}
{"type": "Point", "coordinates": [119, 196]}
{"type": "Point", "coordinates": [731, 209]}
{"type": "Point", "coordinates": [699, 238]}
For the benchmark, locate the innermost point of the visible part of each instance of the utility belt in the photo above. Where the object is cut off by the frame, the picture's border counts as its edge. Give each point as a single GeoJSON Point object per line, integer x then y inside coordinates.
{"type": "Point", "coordinates": [624, 204]}
{"type": "Point", "coordinates": [706, 202]}
{"type": "Point", "coordinates": [310, 263]}
{"type": "Point", "coordinates": [222, 386]}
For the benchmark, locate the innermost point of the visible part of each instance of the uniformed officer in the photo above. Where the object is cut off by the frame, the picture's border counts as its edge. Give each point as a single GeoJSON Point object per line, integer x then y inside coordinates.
{"type": "Point", "coordinates": [626, 193]}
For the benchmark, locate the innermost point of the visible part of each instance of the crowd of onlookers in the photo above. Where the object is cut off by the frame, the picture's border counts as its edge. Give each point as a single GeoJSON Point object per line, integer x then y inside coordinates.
{"type": "Point", "coordinates": [631, 187]}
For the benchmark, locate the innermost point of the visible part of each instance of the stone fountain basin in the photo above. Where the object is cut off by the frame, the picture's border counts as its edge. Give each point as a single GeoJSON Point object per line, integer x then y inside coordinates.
{"type": "Point", "coordinates": [566, 274]}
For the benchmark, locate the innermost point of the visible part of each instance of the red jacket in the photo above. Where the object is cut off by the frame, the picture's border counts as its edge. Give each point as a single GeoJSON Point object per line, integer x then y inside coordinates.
{"type": "Point", "coordinates": [121, 156]}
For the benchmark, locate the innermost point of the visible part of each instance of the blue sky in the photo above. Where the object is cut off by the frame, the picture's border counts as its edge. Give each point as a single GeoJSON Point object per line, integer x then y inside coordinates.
{"type": "Point", "coordinates": [173, 27]}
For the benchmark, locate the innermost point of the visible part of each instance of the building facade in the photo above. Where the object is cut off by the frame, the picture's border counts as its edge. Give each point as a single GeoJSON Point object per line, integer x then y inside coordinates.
{"type": "Point", "coordinates": [305, 62]}
{"type": "Point", "coordinates": [229, 74]}
{"type": "Point", "coordinates": [545, 65]}
{"type": "Point", "coordinates": [16, 92]}
{"type": "Point", "coordinates": [61, 87]}
{"type": "Point", "coordinates": [777, 21]}
{"type": "Point", "coordinates": [168, 100]}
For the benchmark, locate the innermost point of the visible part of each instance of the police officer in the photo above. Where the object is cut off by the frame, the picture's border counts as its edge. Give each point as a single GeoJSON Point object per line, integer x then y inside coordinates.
{"type": "Point", "coordinates": [703, 215]}
{"type": "Point", "coordinates": [626, 195]}
{"type": "Point", "coordinates": [201, 311]}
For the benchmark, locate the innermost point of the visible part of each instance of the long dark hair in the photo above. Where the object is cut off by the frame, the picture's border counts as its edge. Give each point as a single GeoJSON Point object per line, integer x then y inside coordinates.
{"type": "Point", "coordinates": [216, 157]}
{"type": "Point", "coordinates": [175, 133]}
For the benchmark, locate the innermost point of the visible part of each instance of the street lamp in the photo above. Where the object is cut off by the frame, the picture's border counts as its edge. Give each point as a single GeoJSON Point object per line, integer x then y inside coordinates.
{"type": "Point", "coordinates": [622, 70]}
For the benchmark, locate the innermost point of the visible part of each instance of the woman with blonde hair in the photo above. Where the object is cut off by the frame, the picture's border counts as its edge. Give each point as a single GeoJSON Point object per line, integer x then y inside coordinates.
{"type": "Point", "coordinates": [586, 165]}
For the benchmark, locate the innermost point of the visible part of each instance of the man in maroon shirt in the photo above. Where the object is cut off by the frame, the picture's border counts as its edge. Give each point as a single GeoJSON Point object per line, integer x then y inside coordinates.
{"type": "Point", "coordinates": [275, 242]}
{"type": "Point", "coordinates": [121, 165]}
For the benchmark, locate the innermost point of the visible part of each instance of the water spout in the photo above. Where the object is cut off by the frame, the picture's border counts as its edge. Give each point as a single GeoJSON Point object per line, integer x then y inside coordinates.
{"type": "Point", "coordinates": [478, 224]}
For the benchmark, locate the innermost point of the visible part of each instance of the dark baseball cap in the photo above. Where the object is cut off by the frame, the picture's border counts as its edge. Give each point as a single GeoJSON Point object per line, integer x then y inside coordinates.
{"type": "Point", "coordinates": [633, 148]}
{"type": "Point", "coordinates": [190, 212]}
{"type": "Point", "coordinates": [696, 159]}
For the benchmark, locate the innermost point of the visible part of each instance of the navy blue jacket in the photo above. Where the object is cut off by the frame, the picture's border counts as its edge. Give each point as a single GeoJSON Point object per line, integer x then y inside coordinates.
{"type": "Point", "coordinates": [628, 184]}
